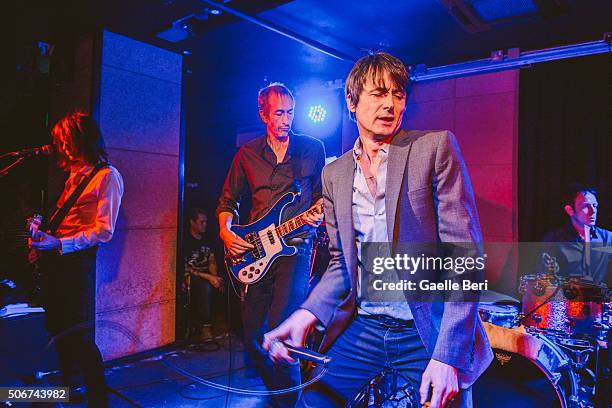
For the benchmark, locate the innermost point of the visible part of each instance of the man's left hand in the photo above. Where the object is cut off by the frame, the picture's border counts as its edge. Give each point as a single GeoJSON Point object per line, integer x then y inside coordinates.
{"type": "Point", "coordinates": [45, 242]}
{"type": "Point", "coordinates": [215, 281]}
{"type": "Point", "coordinates": [443, 379]}
{"type": "Point", "coordinates": [314, 219]}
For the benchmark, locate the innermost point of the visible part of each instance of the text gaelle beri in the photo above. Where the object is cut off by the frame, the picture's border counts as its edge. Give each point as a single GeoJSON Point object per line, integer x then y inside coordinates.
{"type": "Point", "coordinates": [410, 264]}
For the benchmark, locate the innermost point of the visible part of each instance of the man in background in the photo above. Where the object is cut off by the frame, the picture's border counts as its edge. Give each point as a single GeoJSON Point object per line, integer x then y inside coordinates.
{"type": "Point", "coordinates": [580, 245]}
{"type": "Point", "coordinates": [203, 275]}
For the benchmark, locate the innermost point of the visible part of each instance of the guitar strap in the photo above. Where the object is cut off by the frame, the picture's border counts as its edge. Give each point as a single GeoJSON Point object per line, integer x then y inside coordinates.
{"type": "Point", "coordinates": [296, 164]}
{"type": "Point", "coordinates": [59, 215]}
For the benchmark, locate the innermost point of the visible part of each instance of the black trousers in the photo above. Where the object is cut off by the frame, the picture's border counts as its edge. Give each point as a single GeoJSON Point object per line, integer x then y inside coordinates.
{"type": "Point", "coordinates": [69, 285]}
{"type": "Point", "coordinates": [267, 304]}
{"type": "Point", "coordinates": [201, 302]}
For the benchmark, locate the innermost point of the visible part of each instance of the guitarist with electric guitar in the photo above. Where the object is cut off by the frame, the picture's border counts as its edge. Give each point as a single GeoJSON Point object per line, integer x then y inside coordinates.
{"type": "Point", "coordinates": [269, 258]}
{"type": "Point", "coordinates": [66, 249]}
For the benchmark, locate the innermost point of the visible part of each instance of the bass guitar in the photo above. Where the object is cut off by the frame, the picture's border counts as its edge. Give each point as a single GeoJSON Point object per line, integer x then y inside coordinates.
{"type": "Point", "coordinates": [267, 237]}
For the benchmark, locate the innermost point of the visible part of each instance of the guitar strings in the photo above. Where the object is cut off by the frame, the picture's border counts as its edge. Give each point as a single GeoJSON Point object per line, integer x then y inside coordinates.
{"type": "Point", "coordinates": [265, 238]}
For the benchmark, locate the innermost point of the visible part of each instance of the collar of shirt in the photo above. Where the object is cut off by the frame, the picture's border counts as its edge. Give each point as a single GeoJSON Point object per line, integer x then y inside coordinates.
{"type": "Point", "coordinates": [266, 149]}
{"type": "Point", "coordinates": [572, 234]}
{"type": "Point", "coordinates": [77, 174]}
{"type": "Point", "coordinates": [358, 150]}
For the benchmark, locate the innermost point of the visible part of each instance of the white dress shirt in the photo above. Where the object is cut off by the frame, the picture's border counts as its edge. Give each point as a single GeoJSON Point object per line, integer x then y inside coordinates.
{"type": "Point", "coordinates": [92, 218]}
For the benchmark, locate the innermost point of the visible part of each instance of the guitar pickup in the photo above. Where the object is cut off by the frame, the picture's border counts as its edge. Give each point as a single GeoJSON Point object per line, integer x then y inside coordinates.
{"type": "Point", "coordinates": [253, 239]}
{"type": "Point", "coordinates": [235, 260]}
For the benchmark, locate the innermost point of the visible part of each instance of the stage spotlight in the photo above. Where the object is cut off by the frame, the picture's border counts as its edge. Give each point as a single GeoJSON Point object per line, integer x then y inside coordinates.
{"type": "Point", "coordinates": [317, 113]}
{"type": "Point", "coordinates": [180, 30]}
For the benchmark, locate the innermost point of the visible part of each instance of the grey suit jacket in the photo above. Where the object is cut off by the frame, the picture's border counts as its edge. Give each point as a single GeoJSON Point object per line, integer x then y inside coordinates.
{"type": "Point", "coordinates": [429, 198]}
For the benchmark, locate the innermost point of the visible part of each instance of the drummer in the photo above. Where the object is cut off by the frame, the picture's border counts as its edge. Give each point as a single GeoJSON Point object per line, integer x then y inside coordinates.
{"type": "Point", "coordinates": [590, 261]}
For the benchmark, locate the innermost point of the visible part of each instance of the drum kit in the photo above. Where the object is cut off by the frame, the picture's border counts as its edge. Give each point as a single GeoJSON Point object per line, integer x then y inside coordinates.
{"type": "Point", "coordinates": [549, 349]}
{"type": "Point", "coordinates": [548, 354]}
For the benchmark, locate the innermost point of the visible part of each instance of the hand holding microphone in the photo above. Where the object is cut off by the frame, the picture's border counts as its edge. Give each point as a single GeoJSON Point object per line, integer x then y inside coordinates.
{"type": "Point", "coordinates": [301, 352]}
{"type": "Point", "coordinates": [283, 343]}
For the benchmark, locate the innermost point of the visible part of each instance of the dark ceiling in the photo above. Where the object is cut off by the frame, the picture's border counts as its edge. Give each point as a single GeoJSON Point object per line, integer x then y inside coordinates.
{"type": "Point", "coordinates": [420, 31]}
{"type": "Point", "coordinates": [423, 31]}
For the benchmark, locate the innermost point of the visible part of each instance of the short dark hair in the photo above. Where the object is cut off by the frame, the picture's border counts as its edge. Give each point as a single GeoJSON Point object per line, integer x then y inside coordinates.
{"type": "Point", "coordinates": [81, 133]}
{"type": "Point", "coordinates": [194, 212]}
{"type": "Point", "coordinates": [374, 65]}
{"type": "Point", "coordinates": [263, 97]}
{"type": "Point", "coordinates": [573, 189]}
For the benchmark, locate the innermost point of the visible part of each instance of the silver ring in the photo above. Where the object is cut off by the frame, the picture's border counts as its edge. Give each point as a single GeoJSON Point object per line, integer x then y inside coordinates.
{"type": "Point", "coordinates": [274, 343]}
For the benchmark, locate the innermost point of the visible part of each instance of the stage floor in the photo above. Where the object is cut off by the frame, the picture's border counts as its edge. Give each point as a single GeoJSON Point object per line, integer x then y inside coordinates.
{"type": "Point", "coordinates": [157, 381]}
{"type": "Point", "coordinates": [162, 379]}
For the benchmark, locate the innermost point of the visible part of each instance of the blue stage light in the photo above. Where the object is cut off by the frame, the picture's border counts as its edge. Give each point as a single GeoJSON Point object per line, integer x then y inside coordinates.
{"type": "Point", "coordinates": [319, 109]}
{"type": "Point", "coordinates": [317, 113]}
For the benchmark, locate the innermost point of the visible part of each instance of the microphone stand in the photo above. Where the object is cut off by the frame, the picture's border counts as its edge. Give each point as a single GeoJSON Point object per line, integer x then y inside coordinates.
{"type": "Point", "coordinates": [19, 158]}
{"type": "Point", "coordinates": [586, 254]}
{"type": "Point", "coordinates": [6, 170]}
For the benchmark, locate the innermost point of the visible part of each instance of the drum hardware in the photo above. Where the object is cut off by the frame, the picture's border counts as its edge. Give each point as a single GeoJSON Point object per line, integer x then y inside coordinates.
{"type": "Point", "coordinates": [606, 316]}
{"type": "Point", "coordinates": [579, 357]}
{"type": "Point", "coordinates": [388, 389]}
{"type": "Point", "coordinates": [538, 289]}
{"type": "Point", "coordinates": [551, 266]}
{"type": "Point", "coordinates": [601, 327]}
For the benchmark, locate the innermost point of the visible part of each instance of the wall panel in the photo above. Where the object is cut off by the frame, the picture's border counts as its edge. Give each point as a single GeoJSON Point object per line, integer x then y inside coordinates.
{"type": "Point", "coordinates": [139, 111]}
{"type": "Point", "coordinates": [482, 111]}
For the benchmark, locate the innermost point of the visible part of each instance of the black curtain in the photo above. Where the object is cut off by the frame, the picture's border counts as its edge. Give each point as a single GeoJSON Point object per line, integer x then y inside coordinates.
{"type": "Point", "coordinates": [565, 135]}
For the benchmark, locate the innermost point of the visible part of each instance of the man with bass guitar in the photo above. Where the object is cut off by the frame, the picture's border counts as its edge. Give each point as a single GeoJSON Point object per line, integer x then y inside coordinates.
{"type": "Point", "coordinates": [268, 168]}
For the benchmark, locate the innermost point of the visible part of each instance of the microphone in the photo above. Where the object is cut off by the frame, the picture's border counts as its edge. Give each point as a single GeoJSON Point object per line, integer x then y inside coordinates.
{"type": "Point", "coordinates": [306, 354]}
{"type": "Point", "coordinates": [45, 150]}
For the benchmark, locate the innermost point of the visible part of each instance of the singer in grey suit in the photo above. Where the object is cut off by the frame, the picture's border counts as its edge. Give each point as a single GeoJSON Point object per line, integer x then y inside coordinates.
{"type": "Point", "coordinates": [419, 181]}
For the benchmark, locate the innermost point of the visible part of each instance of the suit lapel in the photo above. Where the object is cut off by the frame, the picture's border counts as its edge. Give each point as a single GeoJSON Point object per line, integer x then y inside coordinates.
{"type": "Point", "coordinates": [399, 149]}
{"type": "Point", "coordinates": [344, 202]}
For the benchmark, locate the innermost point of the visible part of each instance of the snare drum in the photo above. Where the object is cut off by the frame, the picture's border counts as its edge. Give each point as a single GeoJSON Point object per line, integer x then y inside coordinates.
{"type": "Point", "coordinates": [562, 306]}
{"type": "Point", "coordinates": [499, 315]}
